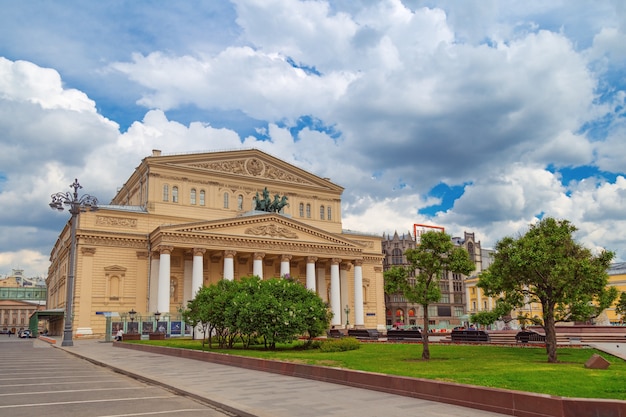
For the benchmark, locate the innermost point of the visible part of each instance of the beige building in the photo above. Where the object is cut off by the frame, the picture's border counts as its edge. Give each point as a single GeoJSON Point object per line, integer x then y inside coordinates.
{"type": "Point", "coordinates": [187, 220]}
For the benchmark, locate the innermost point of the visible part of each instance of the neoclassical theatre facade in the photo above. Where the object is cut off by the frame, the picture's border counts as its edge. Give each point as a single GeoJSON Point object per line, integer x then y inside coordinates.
{"type": "Point", "coordinates": [185, 221]}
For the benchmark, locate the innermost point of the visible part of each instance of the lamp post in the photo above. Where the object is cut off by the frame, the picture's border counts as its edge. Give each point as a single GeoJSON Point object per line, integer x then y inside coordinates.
{"type": "Point", "coordinates": [156, 319]}
{"type": "Point", "coordinates": [347, 311]}
{"type": "Point", "coordinates": [132, 314]}
{"type": "Point", "coordinates": [75, 205]}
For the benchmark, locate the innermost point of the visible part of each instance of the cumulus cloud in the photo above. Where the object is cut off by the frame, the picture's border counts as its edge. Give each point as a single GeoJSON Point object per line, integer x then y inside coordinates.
{"type": "Point", "coordinates": [387, 99]}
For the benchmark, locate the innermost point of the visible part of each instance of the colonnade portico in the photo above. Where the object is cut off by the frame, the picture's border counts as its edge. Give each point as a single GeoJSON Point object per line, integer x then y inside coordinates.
{"type": "Point", "coordinates": [315, 280]}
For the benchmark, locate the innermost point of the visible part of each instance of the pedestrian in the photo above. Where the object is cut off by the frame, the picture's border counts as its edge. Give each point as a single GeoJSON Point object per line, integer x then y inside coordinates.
{"type": "Point", "coordinates": [119, 335]}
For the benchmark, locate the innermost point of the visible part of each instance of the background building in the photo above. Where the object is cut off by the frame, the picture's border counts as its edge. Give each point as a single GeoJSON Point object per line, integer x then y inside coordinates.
{"type": "Point", "coordinates": [450, 311]}
{"type": "Point", "coordinates": [184, 221]}
{"type": "Point", "coordinates": [20, 297]}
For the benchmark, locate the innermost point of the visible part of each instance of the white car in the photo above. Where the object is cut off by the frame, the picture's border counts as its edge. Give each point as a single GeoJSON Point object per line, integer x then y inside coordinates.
{"type": "Point", "coordinates": [25, 334]}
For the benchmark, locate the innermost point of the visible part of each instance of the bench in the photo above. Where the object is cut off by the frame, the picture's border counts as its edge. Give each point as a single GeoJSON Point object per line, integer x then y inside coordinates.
{"type": "Point", "coordinates": [368, 334]}
{"type": "Point", "coordinates": [525, 337]}
{"type": "Point", "coordinates": [469, 336]}
{"type": "Point", "coordinates": [404, 334]}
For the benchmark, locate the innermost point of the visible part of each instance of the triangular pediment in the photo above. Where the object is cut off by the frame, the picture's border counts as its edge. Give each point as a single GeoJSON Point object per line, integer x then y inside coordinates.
{"type": "Point", "coordinates": [268, 226]}
{"type": "Point", "coordinates": [251, 164]}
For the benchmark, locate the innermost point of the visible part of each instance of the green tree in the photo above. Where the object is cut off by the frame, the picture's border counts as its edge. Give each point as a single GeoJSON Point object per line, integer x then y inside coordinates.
{"type": "Point", "coordinates": [620, 307]}
{"type": "Point", "coordinates": [430, 259]}
{"type": "Point", "coordinates": [547, 266]}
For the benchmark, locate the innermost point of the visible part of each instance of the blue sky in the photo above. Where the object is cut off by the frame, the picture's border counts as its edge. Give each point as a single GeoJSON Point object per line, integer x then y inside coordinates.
{"type": "Point", "coordinates": [479, 116]}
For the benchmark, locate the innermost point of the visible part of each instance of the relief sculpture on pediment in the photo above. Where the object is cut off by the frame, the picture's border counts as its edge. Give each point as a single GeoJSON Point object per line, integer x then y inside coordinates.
{"type": "Point", "coordinates": [251, 167]}
{"type": "Point", "coordinates": [271, 230]}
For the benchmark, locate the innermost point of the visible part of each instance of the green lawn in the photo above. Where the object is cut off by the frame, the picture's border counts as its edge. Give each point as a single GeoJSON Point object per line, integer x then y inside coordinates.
{"type": "Point", "coordinates": [517, 368]}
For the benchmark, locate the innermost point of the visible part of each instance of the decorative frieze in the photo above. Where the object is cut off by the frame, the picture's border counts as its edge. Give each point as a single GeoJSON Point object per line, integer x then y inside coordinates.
{"type": "Point", "coordinates": [272, 230]}
{"type": "Point", "coordinates": [125, 222]}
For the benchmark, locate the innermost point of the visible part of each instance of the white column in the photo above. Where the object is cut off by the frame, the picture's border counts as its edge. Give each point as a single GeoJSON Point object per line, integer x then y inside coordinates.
{"type": "Point", "coordinates": [343, 291]}
{"type": "Point", "coordinates": [322, 289]}
{"type": "Point", "coordinates": [154, 282]}
{"type": "Point", "coordinates": [257, 264]}
{"type": "Point", "coordinates": [187, 278]}
{"type": "Point", "coordinates": [229, 264]}
{"type": "Point", "coordinates": [335, 296]}
{"type": "Point", "coordinates": [285, 267]}
{"type": "Point", "coordinates": [359, 319]}
{"type": "Point", "coordinates": [310, 272]}
{"type": "Point", "coordinates": [163, 297]}
{"type": "Point", "coordinates": [197, 278]}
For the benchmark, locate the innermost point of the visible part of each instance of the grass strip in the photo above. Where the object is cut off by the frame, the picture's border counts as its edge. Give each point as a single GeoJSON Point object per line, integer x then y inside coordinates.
{"type": "Point", "coordinates": [509, 367]}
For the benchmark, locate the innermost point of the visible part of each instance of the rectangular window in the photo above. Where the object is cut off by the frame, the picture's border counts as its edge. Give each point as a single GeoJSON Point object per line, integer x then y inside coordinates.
{"type": "Point", "coordinates": [202, 197]}
{"type": "Point", "coordinates": [166, 193]}
{"type": "Point", "coordinates": [192, 197]}
{"type": "Point", "coordinates": [329, 217]}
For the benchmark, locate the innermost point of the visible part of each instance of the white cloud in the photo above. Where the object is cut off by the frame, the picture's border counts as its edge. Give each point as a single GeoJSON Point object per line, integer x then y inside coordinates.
{"type": "Point", "coordinates": [410, 95]}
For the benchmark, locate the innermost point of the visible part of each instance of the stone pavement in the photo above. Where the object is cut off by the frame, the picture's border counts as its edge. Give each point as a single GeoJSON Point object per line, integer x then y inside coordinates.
{"type": "Point", "coordinates": [250, 393]}
{"type": "Point", "coordinates": [616, 349]}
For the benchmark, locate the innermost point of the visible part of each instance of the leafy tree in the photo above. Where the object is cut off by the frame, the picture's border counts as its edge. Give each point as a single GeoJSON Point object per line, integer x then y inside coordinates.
{"type": "Point", "coordinates": [547, 266]}
{"type": "Point", "coordinates": [435, 254]}
{"type": "Point", "coordinates": [620, 308]}
{"type": "Point", "coordinates": [276, 310]}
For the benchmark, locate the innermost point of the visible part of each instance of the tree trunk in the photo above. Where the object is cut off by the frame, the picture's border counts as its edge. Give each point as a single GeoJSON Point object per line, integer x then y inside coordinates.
{"type": "Point", "coordinates": [426, 350]}
{"type": "Point", "coordinates": [549, 327]}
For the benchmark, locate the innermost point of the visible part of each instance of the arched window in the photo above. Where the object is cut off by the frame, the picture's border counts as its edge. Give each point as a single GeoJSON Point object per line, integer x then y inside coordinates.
{"type": "Point", "coordinates": [166, 192]}
{"type": "Point", "coordinates": [329, 217]}
{"type": "Point", "coordinates": [202, 197]}
{"type": "Point", "coordinates": [239, 202]}
{"type": "Point", "coordinates": [174, 194]}
{"type": "Point", "coordinates": [301, 209]}
{"type": "Point", "coordinates": [308, 211]}
{"type": "Point", "coordinates": [225, 200]}
{"type": "Point", "coordinates": [192, 196]}
{"type": "Point", "coordinates": [322, 213]}
{"type": "Point", "coordinates": [396, 256]}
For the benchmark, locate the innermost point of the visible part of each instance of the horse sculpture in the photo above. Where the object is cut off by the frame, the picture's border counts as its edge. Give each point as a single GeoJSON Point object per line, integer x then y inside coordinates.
{"type": "Point", "coordinates": [266, 203]}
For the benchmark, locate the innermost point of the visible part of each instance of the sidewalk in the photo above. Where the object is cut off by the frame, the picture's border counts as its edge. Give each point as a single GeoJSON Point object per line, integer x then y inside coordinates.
{"type": "Point", "coordinates": [250, 393]}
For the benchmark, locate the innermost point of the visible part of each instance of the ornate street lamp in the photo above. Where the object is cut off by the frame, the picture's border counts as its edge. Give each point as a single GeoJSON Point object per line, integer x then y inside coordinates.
{"type": "Point", "coordinates": [132, 314]}
{"type": "Point", "coordinates": [75, 205]}
{"type": "Point", "coordinates": [347, 311]}
{"type": "Point", "coordinates": [156, 319]}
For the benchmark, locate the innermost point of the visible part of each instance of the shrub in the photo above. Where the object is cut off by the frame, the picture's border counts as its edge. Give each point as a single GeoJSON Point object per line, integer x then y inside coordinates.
{"type": "Point", "coordinates": [340, 345]}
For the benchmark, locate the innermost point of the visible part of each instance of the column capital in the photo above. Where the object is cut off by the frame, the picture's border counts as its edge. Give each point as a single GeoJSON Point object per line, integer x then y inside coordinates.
{"type": "Point", "coordinates": [335, 261]}
{"type": "Point", "coordinates": [166, 250]}
{"type": "Point", "coordinates": [311, 259]}
{"type": "Point", "coordinates": [345, 266]}
{"type": "Point", "coordinates": [198, 251]}
{"type": "Point", "coordinates": [358, 262]}
{"type": "Point", "coordinates": [230, 253]}
{"type": "Point", "coordinates": [258, 256]}
{"type": "Point", "coordinates": [285, 258]}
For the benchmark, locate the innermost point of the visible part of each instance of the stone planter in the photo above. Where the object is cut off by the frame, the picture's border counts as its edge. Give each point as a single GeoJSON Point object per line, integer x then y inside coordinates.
{"type": "Point", "coordinates": [157, 336]}
{"type": "Point", "coordinates": [131, 336]}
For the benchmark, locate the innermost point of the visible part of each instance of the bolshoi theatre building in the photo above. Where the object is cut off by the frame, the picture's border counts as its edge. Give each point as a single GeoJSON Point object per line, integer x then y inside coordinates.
{"type": "Point", "coordinates": [185, 221]}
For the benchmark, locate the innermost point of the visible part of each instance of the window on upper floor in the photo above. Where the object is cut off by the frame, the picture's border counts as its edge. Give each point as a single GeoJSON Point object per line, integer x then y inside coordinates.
{"type": "Point", "coordinates": [166, 192]}
{"type": "Point", "coordinates": [240, 202]}
{"type": "Point", "coordinates": [225, 200]}
{"type": "Point", "coordinates": [329, 212]}
{"type": "Point", "coordinates": [174, 194]}
{"type": "Point", "coordinates": [322, 213]}
{"type": "Point", "coordinates": [192, 196]}
{"type": "Point", "coordinates": [202, 197]}
{"type": "Point", "coordinates": [308, 211]}
{"type": "Point", "coordinates": [396, 257]}
{"type": "Point", "coordinates": [301, 209]}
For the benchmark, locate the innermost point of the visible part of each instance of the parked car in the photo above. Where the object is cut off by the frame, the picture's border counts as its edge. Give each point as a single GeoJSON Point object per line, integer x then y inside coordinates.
{"type": "Point", "coordinates": [25, 334]}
